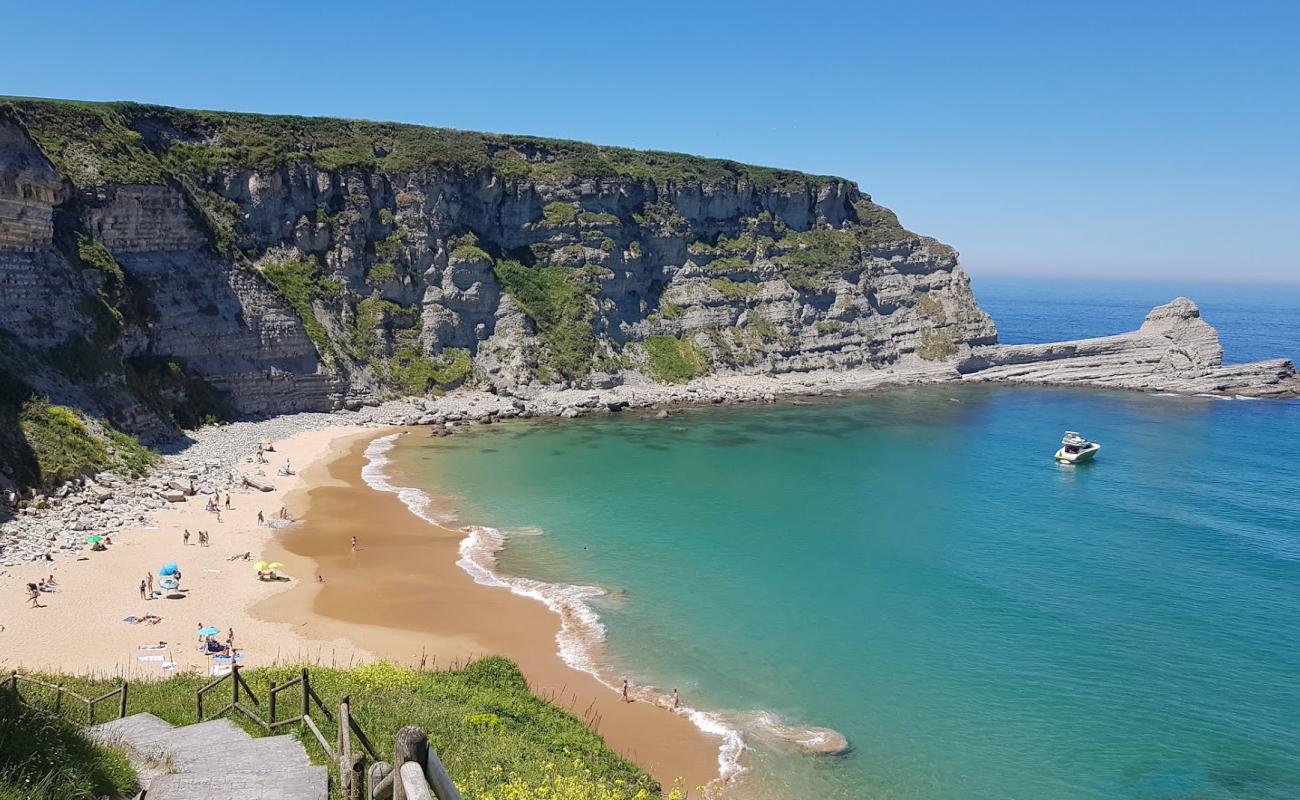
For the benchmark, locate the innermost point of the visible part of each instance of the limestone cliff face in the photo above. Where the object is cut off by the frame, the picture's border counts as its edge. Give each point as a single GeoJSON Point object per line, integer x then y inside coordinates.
{"type": "Point", "coordinates": [306, 264]}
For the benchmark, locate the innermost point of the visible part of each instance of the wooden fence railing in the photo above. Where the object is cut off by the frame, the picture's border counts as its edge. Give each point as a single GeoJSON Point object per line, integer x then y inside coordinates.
{"type": "Point", "coordinates": [61, 692]}
{"type": "Point", "coordinates": [236, 683]}
{"type": "Point", "coordinates": [415, 774]}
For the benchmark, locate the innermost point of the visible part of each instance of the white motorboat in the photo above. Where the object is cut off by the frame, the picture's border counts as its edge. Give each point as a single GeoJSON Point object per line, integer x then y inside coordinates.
{"type": "Point", "coordinates": [1076, 448]}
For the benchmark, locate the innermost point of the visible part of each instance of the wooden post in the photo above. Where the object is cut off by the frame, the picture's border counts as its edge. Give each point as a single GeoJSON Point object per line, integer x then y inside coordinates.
{"type": "Point", "coordinates": [13, 684]}
{"type": "Point", "coordinates": [272, 710]}
{"type": "Point", "coordinates": [234, 681]}
{"type": "Point", "coordinates": [121, 708]}
{"type": "Point", "coordinates": [306, 693]}
{"type": "Point", "coordinates": [436, 774]}
{"type": "Point", "coordinates": [380, 779]}
{"type": "Point", "coordinates": [198, 700]}
{"type": "Point", "coordinates": [58, 699]}
{"type": "Point", "coordinates": [410, 744]}
{"type": "Point", "coordinates": [349, 767]}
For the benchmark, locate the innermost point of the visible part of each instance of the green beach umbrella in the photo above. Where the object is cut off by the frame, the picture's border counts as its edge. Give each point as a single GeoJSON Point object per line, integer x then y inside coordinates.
{"type": "Point", "coordinates": [94, 539]}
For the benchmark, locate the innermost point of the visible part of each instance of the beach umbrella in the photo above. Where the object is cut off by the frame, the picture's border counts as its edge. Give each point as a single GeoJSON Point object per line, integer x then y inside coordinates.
{"type": "Point", "coordinates": [261, 566]}
{"type": "Point", "coordinates": [209, 631]}
{"type": "Point", "coordinates": [275, 565]}
{"type": "Point", "coordinates": [94, 539]}
{"type": "Point", "coordinates": [169, 568]}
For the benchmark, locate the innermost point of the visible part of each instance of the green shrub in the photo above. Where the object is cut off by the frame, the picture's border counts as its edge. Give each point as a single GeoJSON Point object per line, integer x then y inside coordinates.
{"type": "Point", "coordinates": [559, 213]}
{"type": "Point", "coordinates": [830, 326]}
{"type": "Point", "coordinates": [634, 247]}
{"type": "Point", "coordinates": [721, 266]}
{"type": "Point", "coordinates": [383, 272]}
{"type": "Point", "coordinates": [93, 255]}
{"type": "Point", "coordinates": [930, 307]}
{"type": "Point", "coordinates": [64, 445]}
{"type": "Point", "coordinates": [385, 216]}
{"type": "Point", "coordinates": [936, 345]}
{"type": "Point", "coordinates": [737, 290]}
{"type": "Point", "coordinates": [674, 360]}
{"type": "Point", "coordinates": [670, 311]}
{"type": "Point", "coordinates": [390, 247]}
{"type": "Point", "coordinates": [878, 224]}
{"type": "Point", "coordinates": [597, 218]}
{"type": "Point", "coordinates": [558, 300]}
{"type": "Point", "coordinates": [413, 372]}
{"type": "Point", "coordinates": [511, 166]}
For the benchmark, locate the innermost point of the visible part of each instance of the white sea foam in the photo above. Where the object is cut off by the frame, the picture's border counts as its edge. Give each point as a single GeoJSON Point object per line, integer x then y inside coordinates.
{"type": "Point", "coordinates": [581, 631]}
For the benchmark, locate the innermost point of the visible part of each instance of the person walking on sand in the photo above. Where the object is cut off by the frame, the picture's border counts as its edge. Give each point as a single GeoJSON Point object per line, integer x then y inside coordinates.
{"type": "Point", "coordinates": [626, 697]}
{"type": "Point", "coordinates": [33, 595]}
{"type": "Point", "coordinates": [227, 499]}
{"type": "Point", "coordinates": [261, 520]}
{"type": "Point", "coordinates": [185, 537]}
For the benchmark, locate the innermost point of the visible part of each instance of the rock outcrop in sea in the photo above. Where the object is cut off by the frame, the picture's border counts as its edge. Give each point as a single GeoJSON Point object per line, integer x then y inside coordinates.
{"type": "Point", "coordinates": [1174, 351]}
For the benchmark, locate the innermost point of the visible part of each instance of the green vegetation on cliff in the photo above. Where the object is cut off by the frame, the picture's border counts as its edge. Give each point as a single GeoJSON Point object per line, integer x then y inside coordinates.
{"type": "Point", "coordinates": [490, 731]}
{"type": "Point", "coordinates": [301, 283]}
{"type": "Point", "coordinates": [122, 142]}
{"type": "Point", "coordinates": [675, 360]}
{"type": "Point", "coordinates": [558, 301]}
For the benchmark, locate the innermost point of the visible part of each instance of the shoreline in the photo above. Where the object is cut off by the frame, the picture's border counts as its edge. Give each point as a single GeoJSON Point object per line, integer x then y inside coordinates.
{"type": "Point", "coordinates": [409, 565]}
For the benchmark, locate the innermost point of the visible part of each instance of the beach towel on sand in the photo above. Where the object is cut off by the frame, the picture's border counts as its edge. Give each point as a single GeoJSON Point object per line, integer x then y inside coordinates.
{"type": "Point", "coordinates": [148, 658]}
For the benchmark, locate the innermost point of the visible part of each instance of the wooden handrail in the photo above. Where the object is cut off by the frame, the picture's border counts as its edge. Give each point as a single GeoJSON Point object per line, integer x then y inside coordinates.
{"type": "Point", "coordinates": [60, 691]}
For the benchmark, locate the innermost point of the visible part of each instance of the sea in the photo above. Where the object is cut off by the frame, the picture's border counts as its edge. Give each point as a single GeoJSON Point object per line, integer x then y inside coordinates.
{"type": "Point", "coordinates": [901, 596]}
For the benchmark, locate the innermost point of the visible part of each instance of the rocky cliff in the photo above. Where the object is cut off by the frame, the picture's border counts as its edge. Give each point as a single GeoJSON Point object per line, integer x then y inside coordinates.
{"type": "Point", "coordinates": [289, 263]}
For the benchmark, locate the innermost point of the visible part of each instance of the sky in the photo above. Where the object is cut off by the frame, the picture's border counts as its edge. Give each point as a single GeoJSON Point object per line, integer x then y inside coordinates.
{"type": "Point", "coordinates": [1137, 139]}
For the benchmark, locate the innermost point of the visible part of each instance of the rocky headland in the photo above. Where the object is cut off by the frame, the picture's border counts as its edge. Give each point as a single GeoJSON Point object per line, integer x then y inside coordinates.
{"type": "Point", "coordinates": [165, 269]}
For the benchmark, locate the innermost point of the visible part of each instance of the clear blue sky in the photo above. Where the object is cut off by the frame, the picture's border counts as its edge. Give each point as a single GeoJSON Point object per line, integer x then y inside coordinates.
{"type": "Point", "coordinates": [1148, 139]}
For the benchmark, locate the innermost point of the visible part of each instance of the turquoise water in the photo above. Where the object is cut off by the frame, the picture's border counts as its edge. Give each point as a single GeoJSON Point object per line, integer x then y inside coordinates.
{"type": "Point", "coordinates": [914, 571]}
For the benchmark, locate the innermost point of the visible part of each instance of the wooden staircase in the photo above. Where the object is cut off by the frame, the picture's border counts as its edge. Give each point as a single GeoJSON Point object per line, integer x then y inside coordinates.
{"type": "Point", "coordinates": [213, 759]}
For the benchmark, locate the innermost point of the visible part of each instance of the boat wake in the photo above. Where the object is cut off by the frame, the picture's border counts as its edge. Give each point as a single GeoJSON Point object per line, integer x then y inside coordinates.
{"type": "Point", "coordinates": [582, 635]}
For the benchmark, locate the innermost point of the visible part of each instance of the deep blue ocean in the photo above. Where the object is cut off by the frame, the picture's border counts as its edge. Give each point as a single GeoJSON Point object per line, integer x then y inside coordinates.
{"type": "Point", "coordinates": [913, 570]}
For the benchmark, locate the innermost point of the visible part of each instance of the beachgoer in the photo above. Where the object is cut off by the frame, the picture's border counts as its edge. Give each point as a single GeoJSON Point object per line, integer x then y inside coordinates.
{"type": "Point", "coordinates": [149, 578]}
{"type": "Point", "coordinates": [142, 585]}
{"type": "Point", "coordinates": [33, 595]}
{"type": "Point", "coordinates": [227, 499]}
{"type": "Point", "coordinates": [320, 578]}
{"type": "Point", "coordinates": [261, 520]}
{"type": "Point", "coordinates": [677, 700]}
{"type": "Point", "coordinates": [354, 544]}
{"type": "Point", "coordinates": [214, 508]}
{"type": "Point", "coordinates": [230, 638]}
{"type": "Point", "coordinates": [50, 581]}
{"type": "Point", "coordinates": [108, 540]}
{"type": "Point", "coordinates": [626, 697]}
{"type": "Point", "coordinates": [202, 638]}
{"type": "Point", "coordinates": [185, 537]}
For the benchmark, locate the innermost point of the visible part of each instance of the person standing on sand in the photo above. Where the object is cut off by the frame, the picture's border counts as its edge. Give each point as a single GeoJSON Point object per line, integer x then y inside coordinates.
{"type": "Point", "coordinates": [227, 499]}
{"type": "Point", "coordinates": [677, 700]}
{"type": "Point", "coordinates": [261, 520]}
{"type": "Point", "coordinates": [142, 584]}
{"type": "Point", "coordinates": [354, 544]}
{"type": "Point", "coordinates": [149, 578]}
{"type": "Point", "coordinates": [185, 537]}
{"type": "Point", "coordinates": [626, 697]}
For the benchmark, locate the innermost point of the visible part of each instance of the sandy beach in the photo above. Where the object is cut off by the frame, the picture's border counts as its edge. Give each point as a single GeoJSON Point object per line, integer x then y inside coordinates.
{"type": "Point", "coordinates": [402, 595]}
{"type": "Point", "coordinates": [80, 629]}
{"type": "Point", "coordinates": [399, 596]}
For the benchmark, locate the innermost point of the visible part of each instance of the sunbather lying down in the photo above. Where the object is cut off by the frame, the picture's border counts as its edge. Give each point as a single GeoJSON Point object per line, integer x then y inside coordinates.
{"type": "Point", "coordinates": [148, 619]}
{"type": "Point", "coordinates": [241, 556]}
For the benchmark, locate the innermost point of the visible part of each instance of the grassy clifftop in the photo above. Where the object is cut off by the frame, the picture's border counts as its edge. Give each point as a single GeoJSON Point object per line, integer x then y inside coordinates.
{"type": "Point", "coordinates": [137, 143]}
{"type": "Point", "coordinates": [496, 738]}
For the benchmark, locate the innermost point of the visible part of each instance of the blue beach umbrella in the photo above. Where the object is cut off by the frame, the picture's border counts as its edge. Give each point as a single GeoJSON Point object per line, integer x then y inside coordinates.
{"type": "Point", "coordinates": [169, 568]}
{"type": "Point", "coordinates": [209, 631]}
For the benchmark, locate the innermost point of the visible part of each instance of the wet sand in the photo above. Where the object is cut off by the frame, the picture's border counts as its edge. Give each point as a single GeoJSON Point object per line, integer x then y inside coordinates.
{"type": "Point", "coordinates": [401, 596]}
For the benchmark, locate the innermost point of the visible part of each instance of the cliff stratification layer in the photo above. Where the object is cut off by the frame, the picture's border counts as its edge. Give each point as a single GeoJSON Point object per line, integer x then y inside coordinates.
{"type": "Point", "coordinates": [293, 263]}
